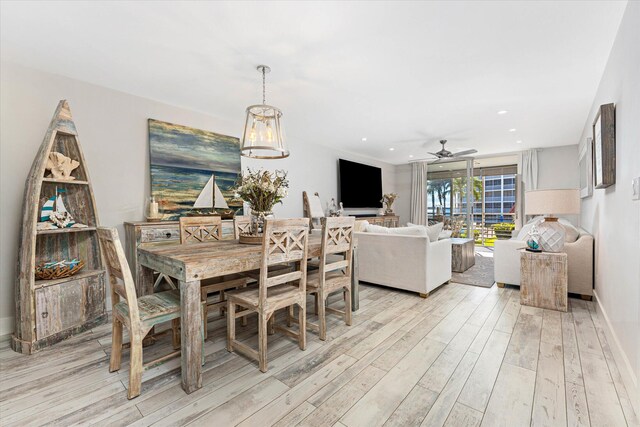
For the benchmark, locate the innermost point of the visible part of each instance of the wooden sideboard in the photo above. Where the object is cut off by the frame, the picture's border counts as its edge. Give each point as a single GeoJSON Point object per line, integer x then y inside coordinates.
{"type": "Point", "coordinates": [139, 233]}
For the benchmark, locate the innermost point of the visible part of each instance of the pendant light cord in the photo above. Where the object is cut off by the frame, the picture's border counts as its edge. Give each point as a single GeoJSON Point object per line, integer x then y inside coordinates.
{"type": "Point", "coordinates": [264, 85]}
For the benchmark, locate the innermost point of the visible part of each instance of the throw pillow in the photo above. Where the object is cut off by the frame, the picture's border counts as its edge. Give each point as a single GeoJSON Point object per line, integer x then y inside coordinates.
{"type": "Point", "coordinates": [433, 231]}
{"type": "Point", "coordinates": [408, 231]}
{"type": "Point", "coordinates": [372, 228]}
{"type": "Point", "coordinates": [570, 230]}
{"type": "Point", "coordinates": [445, 234]}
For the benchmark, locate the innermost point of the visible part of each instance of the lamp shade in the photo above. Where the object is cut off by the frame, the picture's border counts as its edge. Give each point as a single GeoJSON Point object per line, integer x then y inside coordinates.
{"type": "Point", "coordinates": [552, 202]}
{"type": "Point", "coordinates": [263, 136]}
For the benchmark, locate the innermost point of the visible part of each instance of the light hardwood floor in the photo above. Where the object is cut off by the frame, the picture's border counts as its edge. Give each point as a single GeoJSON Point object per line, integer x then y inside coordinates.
{"type": "Point", "coordinates": [465, 356]}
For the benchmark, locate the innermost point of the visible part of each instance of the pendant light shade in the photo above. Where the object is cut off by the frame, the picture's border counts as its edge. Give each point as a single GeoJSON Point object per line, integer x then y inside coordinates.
{"type": "Point", "coordinates": [263, 136]}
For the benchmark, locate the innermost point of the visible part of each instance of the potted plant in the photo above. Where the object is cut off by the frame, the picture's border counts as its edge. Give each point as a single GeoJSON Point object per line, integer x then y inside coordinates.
{"type": "Point", "coordinates": [262, 190]}
{"type": "Point", "coordinates": [503, 230]}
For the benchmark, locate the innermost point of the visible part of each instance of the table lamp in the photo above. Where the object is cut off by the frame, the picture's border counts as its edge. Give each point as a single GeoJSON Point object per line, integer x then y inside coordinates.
{"type": "Point", "coordinates": [550, 203]}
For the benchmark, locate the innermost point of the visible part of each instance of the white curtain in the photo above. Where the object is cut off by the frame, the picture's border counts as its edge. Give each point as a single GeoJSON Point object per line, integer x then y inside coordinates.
{"type": "Point", "coordinates": [530, 169]}
{"type": "Point", "coordinates": [419, 193]}
{"type": "Point", "coordinates": [529, 177]}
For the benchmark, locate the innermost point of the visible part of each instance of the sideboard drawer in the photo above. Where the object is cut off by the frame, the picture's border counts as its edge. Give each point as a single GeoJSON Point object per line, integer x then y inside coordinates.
{"type": "Point", "coordinates": [159, 234]}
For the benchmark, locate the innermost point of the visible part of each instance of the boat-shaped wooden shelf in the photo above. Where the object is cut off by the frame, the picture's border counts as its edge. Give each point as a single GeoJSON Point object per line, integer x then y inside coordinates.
{"type": "Point", "coordinates": [66, 230]}
{"type": "Point", "coordinates": [65, 181]}
{"type": "Point", "coordinates": [48, 311]}
{"type": "Point", "coordinates": [81, 275]}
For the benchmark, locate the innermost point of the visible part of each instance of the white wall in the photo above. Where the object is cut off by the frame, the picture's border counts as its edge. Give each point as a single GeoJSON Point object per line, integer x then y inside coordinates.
{"type": "Point", "coordinates": [112, 129]}
{"type": "Point", "coordinates": [557, 168]}
{"type": "Point", "coordinates": [610, 214]}
{"type": "Point", "coordinates": [403, 188]}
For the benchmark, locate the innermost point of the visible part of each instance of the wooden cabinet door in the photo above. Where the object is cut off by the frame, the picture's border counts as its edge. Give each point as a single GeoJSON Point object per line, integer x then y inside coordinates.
{"type": "Point", "coordinates": [66, 305]}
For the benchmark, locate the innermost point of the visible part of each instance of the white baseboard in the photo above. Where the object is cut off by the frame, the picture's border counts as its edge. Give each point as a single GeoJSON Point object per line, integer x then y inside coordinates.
{"type": "Point", "coordinates": [622, 361]}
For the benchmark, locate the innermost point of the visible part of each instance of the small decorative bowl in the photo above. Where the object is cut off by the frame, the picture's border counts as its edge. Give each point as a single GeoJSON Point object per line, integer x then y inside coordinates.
{"type": "Point", "coordinates": [58, 270]}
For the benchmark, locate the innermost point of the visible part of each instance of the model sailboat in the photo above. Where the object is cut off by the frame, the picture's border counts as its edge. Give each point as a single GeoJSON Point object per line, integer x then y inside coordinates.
{"type": "Point", "coordinates": [54, 214]}
{"type": "Point", "coordinates": [211, 197]}
{"type": "Point", "coordinates": [54, 204]}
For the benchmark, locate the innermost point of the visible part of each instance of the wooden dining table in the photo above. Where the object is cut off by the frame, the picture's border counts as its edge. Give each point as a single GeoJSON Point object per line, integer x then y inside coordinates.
{"type": "Point", "coordinates": [188, 265]}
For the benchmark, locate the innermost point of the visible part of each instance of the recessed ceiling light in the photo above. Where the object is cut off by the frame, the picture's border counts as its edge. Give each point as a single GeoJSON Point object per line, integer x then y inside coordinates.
{"type": "Point", "coordinates": [391, 149]}
{"type": "Point", "coordinates": [440, 166]}
{"type": "Point", "coordinates": [518, 142]}
{"type": "Point", "coordinates": [512, 130]}
{"type": "Point", "coordinates": [364, 139]}
{"type": "Point", "coordinates": [411, 156]}
{"type": "Point", "coordinates": [502, 112]}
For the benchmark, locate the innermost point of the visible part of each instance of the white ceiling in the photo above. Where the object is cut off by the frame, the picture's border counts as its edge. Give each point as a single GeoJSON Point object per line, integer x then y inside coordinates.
{"type": "Point", "coordinates": [403, 75]}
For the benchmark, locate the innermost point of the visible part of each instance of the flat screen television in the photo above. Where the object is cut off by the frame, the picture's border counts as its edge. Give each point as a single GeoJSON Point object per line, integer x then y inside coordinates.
{"type": "Point", "coordinates": [360, 186]}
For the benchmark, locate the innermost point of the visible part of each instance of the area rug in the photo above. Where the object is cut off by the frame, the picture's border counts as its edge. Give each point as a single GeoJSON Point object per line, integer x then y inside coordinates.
{"type": "Point", "coordinates": [481, 274]}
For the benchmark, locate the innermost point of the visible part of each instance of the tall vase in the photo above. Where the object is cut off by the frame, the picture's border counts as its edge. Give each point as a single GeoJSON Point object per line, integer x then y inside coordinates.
{"type": "Point", "coordinates": [257, 221]}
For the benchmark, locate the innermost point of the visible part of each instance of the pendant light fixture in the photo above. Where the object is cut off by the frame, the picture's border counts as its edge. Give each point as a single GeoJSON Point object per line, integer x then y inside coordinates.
{"type": "Point", "coordinates": [263, 136]}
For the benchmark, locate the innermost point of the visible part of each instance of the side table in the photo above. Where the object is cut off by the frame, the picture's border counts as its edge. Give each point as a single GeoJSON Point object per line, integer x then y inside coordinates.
{"type": "Point", "coordinates": [543, 280]}
{"type": "Point", "coordinates": [463, 255]}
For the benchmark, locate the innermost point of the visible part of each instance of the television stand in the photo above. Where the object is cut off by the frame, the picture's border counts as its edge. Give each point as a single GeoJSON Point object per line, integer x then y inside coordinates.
{"type": "Point", "coordinates": [391, 221]}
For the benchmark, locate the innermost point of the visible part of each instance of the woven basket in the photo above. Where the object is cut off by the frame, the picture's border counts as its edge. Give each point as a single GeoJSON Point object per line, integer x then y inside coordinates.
{"type": "Point", "coordinates": [250, 239]}
{"type": "Point", "coordinates": [57, 272]}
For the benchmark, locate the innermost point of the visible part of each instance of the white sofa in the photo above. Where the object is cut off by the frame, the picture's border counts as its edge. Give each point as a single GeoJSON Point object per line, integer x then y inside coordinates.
{"type": "Point", "coordinates": [506, 262]}
{"type": "Point", "coordinates": [408, 262]}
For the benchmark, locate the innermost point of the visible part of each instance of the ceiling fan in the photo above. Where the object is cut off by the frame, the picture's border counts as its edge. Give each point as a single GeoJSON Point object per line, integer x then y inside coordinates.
{"type": "Point", "coordinates": [445, 154]}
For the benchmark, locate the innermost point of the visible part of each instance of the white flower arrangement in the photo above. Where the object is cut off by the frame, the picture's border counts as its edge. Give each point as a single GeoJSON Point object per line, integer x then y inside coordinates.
{"type": "Point", "coordinates": [262, 189]}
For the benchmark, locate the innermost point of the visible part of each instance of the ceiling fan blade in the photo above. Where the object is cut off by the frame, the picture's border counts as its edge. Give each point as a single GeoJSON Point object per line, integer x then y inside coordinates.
{"type": "Point", "coordinates": [464, 153]}
{"type": "Point", "coordinates": [434, 154]}
{"type": "Point", "coordinates": [425, 159]}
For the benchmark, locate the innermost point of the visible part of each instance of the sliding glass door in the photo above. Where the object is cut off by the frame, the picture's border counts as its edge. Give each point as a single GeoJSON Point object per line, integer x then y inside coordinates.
{"type": "Point", "coordinates": [449, 199]}
{"type": "Point", "coordinates": [473, 202]}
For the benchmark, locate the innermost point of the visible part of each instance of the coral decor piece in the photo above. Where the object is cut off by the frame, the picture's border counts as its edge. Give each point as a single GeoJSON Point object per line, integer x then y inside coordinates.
{"type": "Point", "coordinates": [388, 200]}
{"type": "Point", "coordinates": [61, 166]}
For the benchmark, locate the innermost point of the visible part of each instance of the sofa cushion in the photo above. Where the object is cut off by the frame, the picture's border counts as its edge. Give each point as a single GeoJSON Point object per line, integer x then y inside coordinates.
{"type": "Point", "coordinates": [433, 231]}
{"type": "Point", "coordinates": [403, 231]}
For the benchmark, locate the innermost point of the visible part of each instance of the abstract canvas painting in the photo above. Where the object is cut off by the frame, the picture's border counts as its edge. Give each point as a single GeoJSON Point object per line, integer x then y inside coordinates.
{"type": "Point", "coordinates": [189, 166]}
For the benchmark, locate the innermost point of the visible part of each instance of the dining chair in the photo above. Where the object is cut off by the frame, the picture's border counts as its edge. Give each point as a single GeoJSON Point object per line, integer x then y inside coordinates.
{"type": "Point", "coordinates": [242, 224]}
{"type": "Point", "coordinates": [333, 274]}
{"type": "Point", "coordinates": [198, 229]}
{"type": "Point", "coordinates": [139, 315]}
{"type": "Point", "coordinates": [283, 241]}
{"type": "Point", "coordinates": [312, 208]}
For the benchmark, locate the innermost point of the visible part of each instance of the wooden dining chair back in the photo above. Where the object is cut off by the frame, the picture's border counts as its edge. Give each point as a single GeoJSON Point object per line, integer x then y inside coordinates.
{"type": "Point", "coordinates": [207, 229]}
{"type": "Point", "coordinates": [139, 315]}
{"type": "Point", "coordinates": [312, 208]}
{"type": "Point", "coordinates": [333, 275]}
{"type": "Point", "coordinates": [195, 229]}
{"type": "Point", "coordinates": [284, 241]}
{"type": "Point", "coordinates": [241, 224]}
